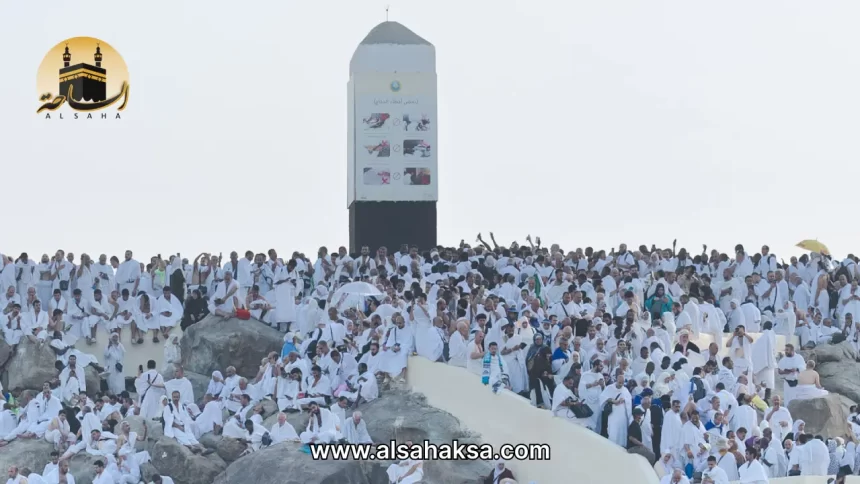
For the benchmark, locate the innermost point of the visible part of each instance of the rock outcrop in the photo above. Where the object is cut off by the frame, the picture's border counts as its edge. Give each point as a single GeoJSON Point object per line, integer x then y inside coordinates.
{"type": "Point", "coordinates": [823, 416]}
{"type": "Point", "coordinates": [177, 461]}
{"type": "Point", "coordinates": [32, 453]}
{"type": "Point", "coordinates": [199, 383]}
{"type": "Point", "coordinates": [399, 415]}
{"type": "Point", "coordinates": [837, 367]}
{"type": "Point", "coordinates": [230, 449]}
{"type": "Point", "coordinates": [5, 353]}
{"type": "Point", "coordinates": [154, 432]}
{"type": "Point", "coordinates": [36, 453]}
{"type": "Point", "coordinates": [81, 466]}
{"type": "Point", "coordinates": [31, 366]}
{"type": "Point", "coordinates": [216, 343]}
{"type": "Point", "coordinates": [93, 382]}
{"type": "Point", "coordinates": [286, 464]}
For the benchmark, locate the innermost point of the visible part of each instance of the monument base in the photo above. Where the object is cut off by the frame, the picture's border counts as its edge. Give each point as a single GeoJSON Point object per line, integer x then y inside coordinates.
{"type": "Point", "coordinates": [390, 224]}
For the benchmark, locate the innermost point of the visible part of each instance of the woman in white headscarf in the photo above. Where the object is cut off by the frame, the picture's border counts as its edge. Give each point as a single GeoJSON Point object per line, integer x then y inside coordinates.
{"type": "Point", "coordinates": [797, 428]}
{"type": "Point", "coordinates": [836, 447]}
{"type": "Point", "coordinates": [216, 384]}
{"type": "Point", "coordinates": [663, 385]}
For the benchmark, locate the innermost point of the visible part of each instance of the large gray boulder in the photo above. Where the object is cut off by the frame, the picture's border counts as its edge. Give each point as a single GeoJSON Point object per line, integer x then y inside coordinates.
{"type": "Point", "coordinates": [199, 383]}
{"type": "Point", "coordinates": [286, 464]}
{"type": "Point", "coordinates": [94, 383]}
{"type": "Point", "coordinates": [5, 353]}
{"type": "Point", "coordinates": [824, 416]}
{"type": "Point", "coordinates": [177, 461]}
{"type": "Point", "coordinates": [31, 366]}
{"type": "Point", "coordinates": [32, 453]}
{"type": "Point", "coordinates": [230, 449]}
{"type": "Point", "coordinates": [154, 432]}
{"type": "Point", "coordinates": [837, 367]}
{"type": "Point", "coordinates": [210, 440]}
{"type": "Point", "coordinates": [81, 466]}
{"type": "Point", "coordinates": [216, 343]}
{"type": "Point", "coordinates": [401, 415]}
{"type": "Point", "coordinates": [398, 415]}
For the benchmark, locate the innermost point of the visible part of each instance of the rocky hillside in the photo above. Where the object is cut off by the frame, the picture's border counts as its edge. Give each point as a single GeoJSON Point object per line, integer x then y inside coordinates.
{"type": "Point", "coordinates": [212, 345]}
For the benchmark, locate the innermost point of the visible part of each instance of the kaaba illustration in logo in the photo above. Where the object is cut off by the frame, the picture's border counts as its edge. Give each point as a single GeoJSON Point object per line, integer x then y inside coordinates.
{"type": "Point", "coordinates": [83, 85]}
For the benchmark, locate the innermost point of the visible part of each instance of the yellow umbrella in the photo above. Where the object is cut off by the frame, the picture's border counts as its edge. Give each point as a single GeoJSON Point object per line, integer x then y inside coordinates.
{"type": "Point", "coordinates": [814, 246]}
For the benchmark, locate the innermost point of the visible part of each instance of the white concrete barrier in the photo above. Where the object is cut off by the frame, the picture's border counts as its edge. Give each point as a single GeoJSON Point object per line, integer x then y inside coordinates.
{"type": "Point", "coordinates": [578, 455]}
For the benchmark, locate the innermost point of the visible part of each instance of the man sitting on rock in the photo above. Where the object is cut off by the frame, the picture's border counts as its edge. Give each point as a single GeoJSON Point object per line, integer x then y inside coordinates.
{"type": "Point", "coordinates": [49, 407]}
{"type": "Point", "coordinates": [355, 430]}
{"type": "Point", "coordinates": [59, 433]}
{"type": "Point", "coordinates": [89, 425]}
{"type": "Point", "coordinates": [100, 444]}
{"type": "Point", "coordinates": [283, 431]}
{"type": "Point", "coordinates": [235, 403]}
{"type": "Point", "coordinates": [25, 419]}
{"type": "Point", "coordinates": [361, 388]}
{"type": "Point", "coordinates": [407, 471]}
{"type": "Point", "coordinates": [178, 424]}
{"type": "Point", "coordinates": [321, 426]}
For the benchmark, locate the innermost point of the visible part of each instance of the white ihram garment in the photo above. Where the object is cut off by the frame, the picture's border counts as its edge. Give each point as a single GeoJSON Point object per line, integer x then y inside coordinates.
{"type": "Point", "coordinates": [324, 431]}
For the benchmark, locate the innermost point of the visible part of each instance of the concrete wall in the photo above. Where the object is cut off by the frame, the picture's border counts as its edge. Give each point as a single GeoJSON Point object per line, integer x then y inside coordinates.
{"type": "Point", "coordinates": [578, 455]}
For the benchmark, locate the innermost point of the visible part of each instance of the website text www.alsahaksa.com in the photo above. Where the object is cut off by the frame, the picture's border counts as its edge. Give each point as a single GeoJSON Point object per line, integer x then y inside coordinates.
{"type": "Point", "coordinates": [428, 451]}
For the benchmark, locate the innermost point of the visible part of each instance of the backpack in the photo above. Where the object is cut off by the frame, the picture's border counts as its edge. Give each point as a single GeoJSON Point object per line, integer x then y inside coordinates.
{"type": "Point", "coordinates": [266, 440]}
{"type": "Point", "coordinates": [698, 389]}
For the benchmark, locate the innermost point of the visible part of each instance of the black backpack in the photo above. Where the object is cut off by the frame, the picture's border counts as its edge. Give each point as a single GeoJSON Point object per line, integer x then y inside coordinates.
{"type": "Point", "coordinates": [698, 389]}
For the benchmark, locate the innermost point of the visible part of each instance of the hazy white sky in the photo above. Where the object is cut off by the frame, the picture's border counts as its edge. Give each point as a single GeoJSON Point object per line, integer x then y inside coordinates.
{"type": "Point", "coordinates": [584, 122]}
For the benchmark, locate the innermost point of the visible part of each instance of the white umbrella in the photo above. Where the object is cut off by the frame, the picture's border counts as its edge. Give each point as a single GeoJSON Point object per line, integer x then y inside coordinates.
{"type": "Point", "coordinates": [353, 294]}
{"type": "Point", "coordinates": [357, 289]}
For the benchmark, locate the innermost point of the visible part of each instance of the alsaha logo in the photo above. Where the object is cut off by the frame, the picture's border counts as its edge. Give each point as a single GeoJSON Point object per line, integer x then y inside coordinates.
{"type": "Point", "coordinates": [85, 74]}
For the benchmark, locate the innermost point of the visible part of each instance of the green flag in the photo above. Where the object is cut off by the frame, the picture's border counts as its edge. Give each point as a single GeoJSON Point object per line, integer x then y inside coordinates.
{"type": "Point", "coordinates": [538, 287]}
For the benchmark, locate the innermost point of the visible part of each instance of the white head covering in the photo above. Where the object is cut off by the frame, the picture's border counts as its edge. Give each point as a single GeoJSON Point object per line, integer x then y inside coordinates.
{"type": "Point", "coordinates": [215, 387]}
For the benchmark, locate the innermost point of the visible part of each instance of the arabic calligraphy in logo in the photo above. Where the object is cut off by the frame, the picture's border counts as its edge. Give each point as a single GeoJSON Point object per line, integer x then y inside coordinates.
{"type": "Point", "coordinates": [67, 77]}
{"type": "Point", "coordinates": [395, 86]}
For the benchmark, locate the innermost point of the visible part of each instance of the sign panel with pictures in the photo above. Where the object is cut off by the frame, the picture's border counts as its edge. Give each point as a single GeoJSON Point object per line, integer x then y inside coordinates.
{"type": "Point", "coordinates": [393, 130]}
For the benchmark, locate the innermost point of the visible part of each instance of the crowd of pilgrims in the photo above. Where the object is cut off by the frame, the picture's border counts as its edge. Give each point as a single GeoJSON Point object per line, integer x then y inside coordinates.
{"type": "Point", "coordinates": [604, 340]}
